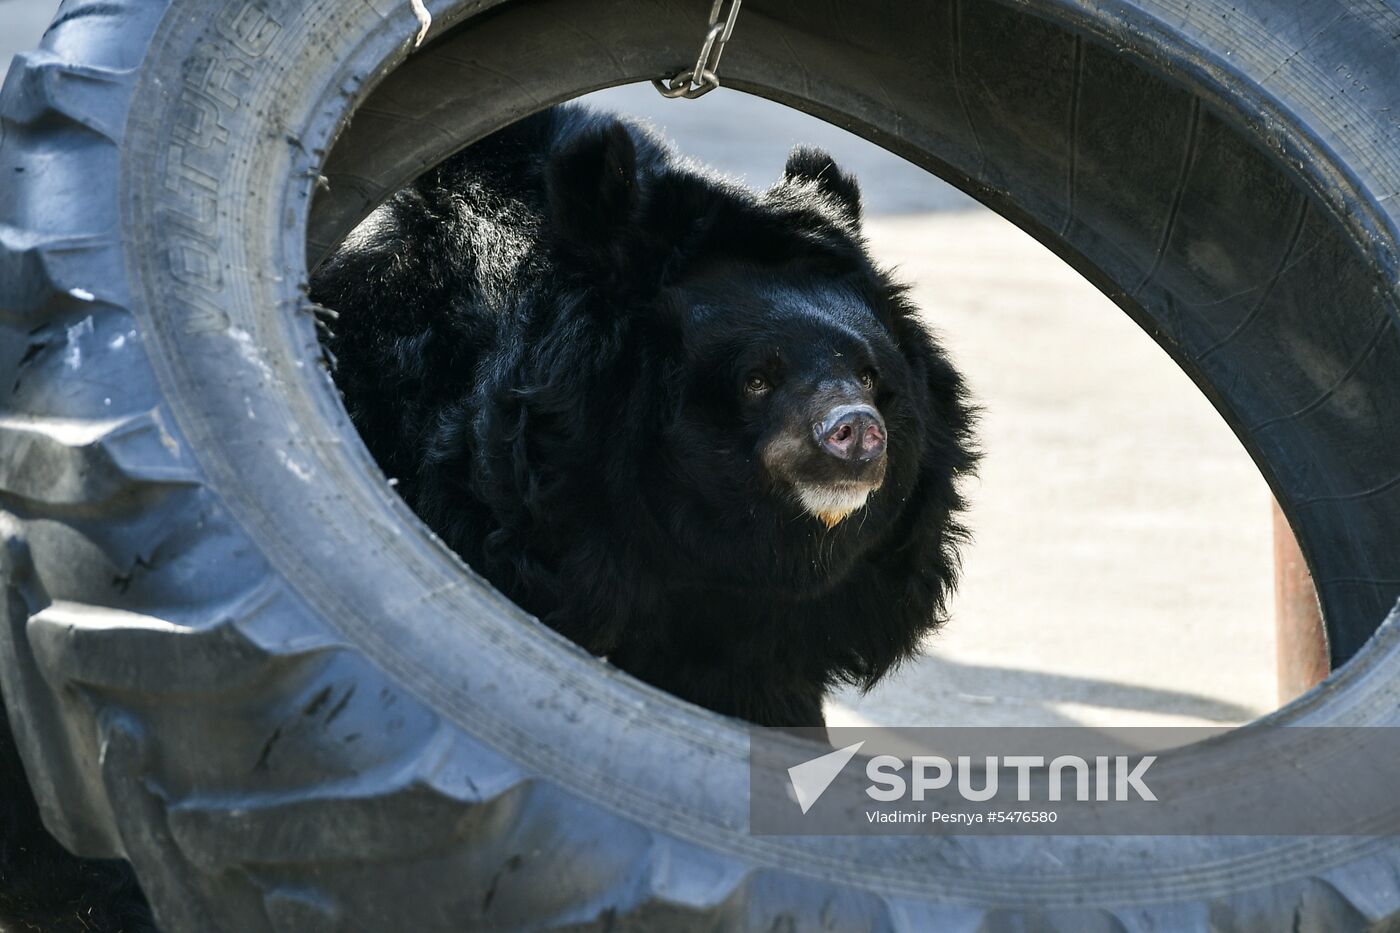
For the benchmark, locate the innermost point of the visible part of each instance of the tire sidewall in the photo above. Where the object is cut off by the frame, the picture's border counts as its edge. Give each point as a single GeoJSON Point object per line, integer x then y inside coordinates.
{"type": "Point", "coordinates": [219, 169]}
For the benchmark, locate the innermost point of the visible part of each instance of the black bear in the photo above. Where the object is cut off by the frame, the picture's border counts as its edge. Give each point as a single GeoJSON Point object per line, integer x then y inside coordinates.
{"type": "Point", "coordinates": [692, 427]}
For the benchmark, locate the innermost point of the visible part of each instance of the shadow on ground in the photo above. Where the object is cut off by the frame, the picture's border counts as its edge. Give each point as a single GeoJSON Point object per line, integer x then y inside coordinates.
{"type": "Point", "coordinates": [933, 690]}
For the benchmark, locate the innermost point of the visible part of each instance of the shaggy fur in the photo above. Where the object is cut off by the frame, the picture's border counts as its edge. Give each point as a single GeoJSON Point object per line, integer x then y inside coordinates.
{"type": "Point", "coordinates": [595, 370]}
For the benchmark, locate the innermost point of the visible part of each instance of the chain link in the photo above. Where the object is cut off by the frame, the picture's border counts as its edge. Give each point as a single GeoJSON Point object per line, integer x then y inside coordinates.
{"type": "Point", "coordinates": [704, 77]}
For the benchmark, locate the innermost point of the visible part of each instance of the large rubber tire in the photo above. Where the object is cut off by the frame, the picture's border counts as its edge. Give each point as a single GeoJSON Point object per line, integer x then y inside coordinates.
{"type": "Point", "coordinates": [233, 656]}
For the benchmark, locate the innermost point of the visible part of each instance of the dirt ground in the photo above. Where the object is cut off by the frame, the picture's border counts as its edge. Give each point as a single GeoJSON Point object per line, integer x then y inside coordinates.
{"type": "Point", "coordinates": [1122, 571]}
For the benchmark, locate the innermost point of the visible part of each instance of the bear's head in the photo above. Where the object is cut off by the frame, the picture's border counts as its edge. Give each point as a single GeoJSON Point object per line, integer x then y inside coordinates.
{"type": "Point", "coordinates": [799, 413]}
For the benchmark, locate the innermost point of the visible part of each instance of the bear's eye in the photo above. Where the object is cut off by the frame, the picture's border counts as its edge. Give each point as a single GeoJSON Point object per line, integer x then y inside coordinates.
{"type": "Point", "coordinates": [867, 379]}
{"type": "Point", "coordinates": [756, 384]}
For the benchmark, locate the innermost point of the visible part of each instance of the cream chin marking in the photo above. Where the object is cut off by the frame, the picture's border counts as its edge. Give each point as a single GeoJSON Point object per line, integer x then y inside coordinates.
{"type": "Point", "coordinates": [831, 504]}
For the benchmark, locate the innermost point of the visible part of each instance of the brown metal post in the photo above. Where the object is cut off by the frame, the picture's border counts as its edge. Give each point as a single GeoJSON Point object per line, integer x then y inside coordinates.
{"type": "Point", "coordinates": [1302, 640]}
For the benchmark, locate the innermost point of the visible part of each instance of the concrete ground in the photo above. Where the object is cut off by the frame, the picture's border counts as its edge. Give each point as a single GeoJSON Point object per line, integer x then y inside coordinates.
{"type": "Point", "coordinates": [1122, 571]}
{"type": "Point", "coordinates": [21, 24]}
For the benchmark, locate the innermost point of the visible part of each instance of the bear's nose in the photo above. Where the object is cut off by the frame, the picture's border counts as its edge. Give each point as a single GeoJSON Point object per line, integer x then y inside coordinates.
{"type": "Point", "coordinates": [851, 432]}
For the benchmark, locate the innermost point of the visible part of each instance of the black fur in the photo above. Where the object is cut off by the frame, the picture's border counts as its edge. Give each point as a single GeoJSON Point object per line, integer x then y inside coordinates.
{"type": "Point", "coordinates": [547, 342]}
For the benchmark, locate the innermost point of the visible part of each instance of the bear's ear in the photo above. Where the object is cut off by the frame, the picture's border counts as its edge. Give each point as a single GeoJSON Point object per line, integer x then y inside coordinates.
{"type": "Point", "coordinates": [819, 168]}
{"type": "Point", "coordinates": [592, 184]}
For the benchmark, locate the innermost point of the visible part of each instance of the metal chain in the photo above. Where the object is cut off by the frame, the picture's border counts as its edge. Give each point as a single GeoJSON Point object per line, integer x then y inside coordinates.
{"type": "Point", "coordinates": [704, 77]}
